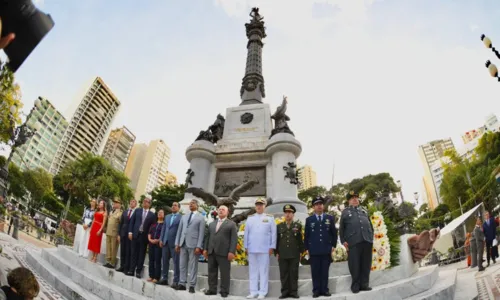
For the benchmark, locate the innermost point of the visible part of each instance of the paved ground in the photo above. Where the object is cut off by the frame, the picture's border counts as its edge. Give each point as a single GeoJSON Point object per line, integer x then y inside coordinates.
{"type": "Point", "coordinates": [488, 282]}
{"type": "Point", "coordinates": [13, 256]}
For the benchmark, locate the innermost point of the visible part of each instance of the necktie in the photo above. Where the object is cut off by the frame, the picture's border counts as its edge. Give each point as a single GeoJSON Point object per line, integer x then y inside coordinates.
{"type": "Point", "coordinates": [144, 212]}
{"type": "Point", "coordinates": [320, 218]}
{"type": "Point", "coordinates": [189, 220]}
{"type": "Point", "coordinates": [218, 225]}
{"type": "Point", "coordinates": [129, 213]}
{"type": "Point", "coordinates": [172, 219]}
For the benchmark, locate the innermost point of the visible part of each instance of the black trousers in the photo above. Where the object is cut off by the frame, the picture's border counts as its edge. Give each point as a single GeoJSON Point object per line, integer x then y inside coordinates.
{"type": "Point", "coordinates": [125, 251]}
{"type": "Point", "coordinates": [289, 276]}
{"type": "Point", "coordinates": [219, 263]}
{"type": "Point", "coordinates": [320, 267]}
{"type": "Point", "coordinates": [155, 261]}
{"type": "Point", "coordinates": [360, 262]}
{"type": "Point", "coordinates": [489, 251]}
{"type": "Point", "coordinates": [139, 247]}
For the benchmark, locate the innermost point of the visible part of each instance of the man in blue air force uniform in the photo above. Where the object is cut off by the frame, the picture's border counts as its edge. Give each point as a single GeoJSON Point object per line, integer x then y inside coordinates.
{"type": "Point", "coordinates": [356, 233]}
{"type": "Point", "coordinates": [320, 240]}
{"type": "Point", "coordinates": [259, 243]}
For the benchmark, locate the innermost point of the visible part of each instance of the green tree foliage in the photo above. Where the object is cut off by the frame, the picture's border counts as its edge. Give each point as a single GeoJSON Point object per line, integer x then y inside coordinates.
{"type": "Point", "coordinates": [311, 193]}
{"type": "Point", "coordinates": [481, 171]}
{"type": "Point", "coordinates": [91, 176]}
{"type": "Point", "coordinates": [372, 187]}
{"type": "Point", "coordinates": [52, 203]}
{"type": "Point", "coordinates": [163, 196]}
{"type": "Point", "coordinates": [10, 95]}
{"type": "Point", "coordinates": [37, 182]}
{"type": "Point", "coordinates": [17, 187]}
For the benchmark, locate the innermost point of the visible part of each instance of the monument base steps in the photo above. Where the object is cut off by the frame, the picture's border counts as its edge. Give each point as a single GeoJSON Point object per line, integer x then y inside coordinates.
{"type": "Point", "coordinates": [78, 278]}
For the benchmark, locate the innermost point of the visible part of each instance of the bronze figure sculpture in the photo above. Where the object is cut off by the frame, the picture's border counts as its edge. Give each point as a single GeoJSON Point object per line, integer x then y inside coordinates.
{"type": "Point", "coordinates": [280, 119]}
{"type": "Point", "coordinates": [421, 245]}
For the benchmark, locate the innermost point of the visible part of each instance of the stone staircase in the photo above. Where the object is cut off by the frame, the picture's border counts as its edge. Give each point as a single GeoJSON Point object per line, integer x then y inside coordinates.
{"type": "Point", "coordinates": [77, 278]}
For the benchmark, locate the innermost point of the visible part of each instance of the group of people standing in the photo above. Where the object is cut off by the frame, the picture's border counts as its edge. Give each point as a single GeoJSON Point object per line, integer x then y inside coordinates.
{"type": "Point", "coordinates": [183, 238]}
{"type": "Point", "coordinates": [483, 237]}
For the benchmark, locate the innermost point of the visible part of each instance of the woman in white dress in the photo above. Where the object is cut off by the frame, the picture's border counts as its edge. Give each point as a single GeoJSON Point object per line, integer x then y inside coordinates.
{"type": "Point", "coordinates": [88, 217]}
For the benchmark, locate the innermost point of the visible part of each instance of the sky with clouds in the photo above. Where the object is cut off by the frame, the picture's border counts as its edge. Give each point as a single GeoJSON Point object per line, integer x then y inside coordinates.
{"type": "Point", "coordinates": [367, 80]}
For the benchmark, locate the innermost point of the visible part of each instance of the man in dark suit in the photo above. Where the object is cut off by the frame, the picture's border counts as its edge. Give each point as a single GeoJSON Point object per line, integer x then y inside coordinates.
{"type": "Point", "coordinates": [125, 243]}
{"type": "Point", "coordinates": [167, 243]}
{"type": "Point", "coordinates": [289, 247]}
{"type": "Point", "coordinates": [138, 230]}
{"type": "Point", "coordinates": [356, 233]}
{"type": "Point", "coordinates": [490, 232]}
{"type": "Point", "coordinates": [220, 248]}
{"type": "Point", "coordinates": [320, 240]}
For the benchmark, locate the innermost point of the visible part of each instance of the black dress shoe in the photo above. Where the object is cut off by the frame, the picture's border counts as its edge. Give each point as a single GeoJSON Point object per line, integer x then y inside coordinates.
{"type": "Point", "coordinates": [355, 291]}
{"type": "Point", "coordinates": [366, 289]}
{"type": "Point", "coordinates": [223, 295]}
{"type": "Point", "coordinates": [191, 290]}
{"type": "Point", "coordinates": [138, 275]}
{"type": "Point", "coordinates": [208, 293]}
{"type": "Point", "coordinates": [315, 295]}
{"type": "Point", "coordinates": [174, 285]}
{"type": "Point", "coordinates": [327, 294]}
{"type": "Point", "coordinates": [294, 296]}
{"type": "Point", "coordinates": [180, 287]}
{"type": "Point", "coordinates": [130, 273]}
{"type": "Point", "coordinates": [120, 269]}
{"type": "Point", "coordinates": [163, 282]}
{"type": "Point", "coordinates": [283, 296]}
{"type": "Point", "coordinates": [108, 265]}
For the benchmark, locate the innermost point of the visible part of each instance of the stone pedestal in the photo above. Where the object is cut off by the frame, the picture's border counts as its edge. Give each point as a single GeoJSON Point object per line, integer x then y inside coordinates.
{"type": "Point", "coordinates": [201, 155]}
{"type": "Point", "coordinates": [282, 149]}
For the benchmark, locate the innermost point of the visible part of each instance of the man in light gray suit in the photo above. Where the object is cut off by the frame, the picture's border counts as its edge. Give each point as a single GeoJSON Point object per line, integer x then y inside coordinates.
{"type": "Point", "coordinates": [167, 243]}
{"type": "Point", "coordinates": [189, 243]}
{"type": "Point", "coordinates": [220, 248]}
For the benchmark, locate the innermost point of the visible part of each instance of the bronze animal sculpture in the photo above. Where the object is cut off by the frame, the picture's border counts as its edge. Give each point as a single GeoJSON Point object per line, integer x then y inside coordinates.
{"type": "Point", "coordinates": [291, 173]}
{"type": "Point", "coordinates": [421, 245]}
{"type": "Point", "coordinates": [280, 119]}
{"type": "Point", "coordinates": [212, 200]}
{"type": "Point", "coordinates": [244, 215]}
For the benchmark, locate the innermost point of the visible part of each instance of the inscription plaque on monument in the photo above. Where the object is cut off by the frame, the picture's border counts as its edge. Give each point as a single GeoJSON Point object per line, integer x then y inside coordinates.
{"type": "Point", "coordinates": [228, 179]}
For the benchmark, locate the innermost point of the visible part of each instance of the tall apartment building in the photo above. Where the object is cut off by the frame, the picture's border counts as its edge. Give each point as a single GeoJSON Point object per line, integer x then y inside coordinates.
{"type": "Point", "coordinates": [89, 125]}
{"type": "Point", "coordinates": [147, 166]}
{"type": "Point", "coordinates": [431, 153]}
{"type": "Point", "coordinates": [473, 135]}
{"type": "Point", "coordinates": [40, 150]}
{"type": "Point", "coordinates": [307, 177]}
{"type": "Point", "coordinates": [491, 123]}
{"type": "Point", "coordinates": [118, 147]}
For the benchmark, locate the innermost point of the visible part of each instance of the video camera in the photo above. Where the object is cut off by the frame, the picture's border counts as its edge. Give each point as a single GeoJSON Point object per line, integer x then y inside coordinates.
{"type": "Point", "coordinates": [28, 23]}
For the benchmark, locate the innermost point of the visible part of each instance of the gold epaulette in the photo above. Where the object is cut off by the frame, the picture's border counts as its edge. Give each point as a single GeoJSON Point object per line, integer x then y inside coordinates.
{"type": "Point", "coordinates": [251, 215]}
{"type": "Point", "coordinates": [270, 215]}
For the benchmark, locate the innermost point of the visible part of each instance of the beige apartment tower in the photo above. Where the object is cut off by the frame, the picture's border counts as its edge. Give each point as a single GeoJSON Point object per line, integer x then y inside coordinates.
{"type": "Point", "coordinates": [118, 147]}
{"type": "Point", "coordinates": [307, 177]}
{"type": "Point", "coordinates": [430, 153]}
{"type": "Point", "coordinates": [147, 167]}
{"type": "Point", "coordinates": [89, 126]}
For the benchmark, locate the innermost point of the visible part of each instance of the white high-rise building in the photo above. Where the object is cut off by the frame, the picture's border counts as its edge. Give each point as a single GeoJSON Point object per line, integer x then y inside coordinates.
{"type": "Point", "coordinates": [147, 166]}
{"type": "Point", "coordinates": [118, 147]}
{"type": "Point", "coordinates": [90, 125]}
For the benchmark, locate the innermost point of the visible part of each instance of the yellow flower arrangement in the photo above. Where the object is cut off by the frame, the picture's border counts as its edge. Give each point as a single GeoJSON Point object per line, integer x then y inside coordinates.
{"type": "Point", "coordinates": [241, 256]}
{"type": "Point", "coordinates": [381, 258]}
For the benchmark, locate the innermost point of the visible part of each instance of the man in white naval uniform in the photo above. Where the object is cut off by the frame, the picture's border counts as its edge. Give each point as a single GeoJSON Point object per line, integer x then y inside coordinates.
{"type": "Point", "coordinates": [259, 243]}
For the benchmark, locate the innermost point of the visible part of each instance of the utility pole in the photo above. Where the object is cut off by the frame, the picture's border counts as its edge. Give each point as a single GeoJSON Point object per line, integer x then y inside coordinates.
{"type": "Point", "coordinates": [460, 202]}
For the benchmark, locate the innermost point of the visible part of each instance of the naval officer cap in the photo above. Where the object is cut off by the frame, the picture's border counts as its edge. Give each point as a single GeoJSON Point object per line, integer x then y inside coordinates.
{"type": "Point", "coordinates": [289, 208]}
{"type": "Point", "coordinates": [318, 200]}
{"type": "Point", "coordinates": [260, 201]}
{"type": "Point", "coordinates": [117, 200]}
{"type": "Point", "coordinates": [352, 194]}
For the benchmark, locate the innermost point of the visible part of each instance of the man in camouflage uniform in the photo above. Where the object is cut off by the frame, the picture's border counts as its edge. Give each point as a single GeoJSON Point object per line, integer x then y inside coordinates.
{"type": "Point", "coordinates": [289, 246]}
{"type": "Point", "coordinates": [356, 233]}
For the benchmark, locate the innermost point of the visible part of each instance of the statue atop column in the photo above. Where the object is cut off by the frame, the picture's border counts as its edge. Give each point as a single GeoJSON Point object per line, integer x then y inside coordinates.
{"type": "Point", "coordinates": [214, 132]}
{"type": "Point", "coordinates": [280, 119]}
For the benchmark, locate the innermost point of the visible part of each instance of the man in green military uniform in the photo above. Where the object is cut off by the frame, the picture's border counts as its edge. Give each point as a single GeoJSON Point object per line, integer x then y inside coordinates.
{"type": "Point", "coordinates": [289, 246]}
{"type": "Point", "coordinates": [112, 233]}
{"type": "Point", "coordinates": [356, 233]}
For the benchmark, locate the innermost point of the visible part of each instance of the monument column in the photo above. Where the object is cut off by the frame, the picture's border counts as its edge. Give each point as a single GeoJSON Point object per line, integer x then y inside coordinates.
{"type": "Point", "coordinates": [283, 149]}
{"type": "Point", "coordinates": [201, 155]}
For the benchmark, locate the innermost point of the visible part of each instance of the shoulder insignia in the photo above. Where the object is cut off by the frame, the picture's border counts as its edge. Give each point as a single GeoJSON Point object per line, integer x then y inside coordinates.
{"type": "Point", "coordinates": [269, 215]}
{"type": "Point", "coordinates": [251, 215]}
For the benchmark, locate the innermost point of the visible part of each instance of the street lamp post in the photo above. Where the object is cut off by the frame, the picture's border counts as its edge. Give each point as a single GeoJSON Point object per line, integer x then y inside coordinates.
{"type": "Point", "coordinates": [492, 69]}
{"type": "Point", "coordinates": [400, 186]}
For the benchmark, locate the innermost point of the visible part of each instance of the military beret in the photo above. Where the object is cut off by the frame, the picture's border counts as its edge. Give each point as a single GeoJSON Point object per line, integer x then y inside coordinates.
{"type": "Point", "coordinates": [351, 195]}
{"type": "Point", "coordinates": [318, 200]}
{"type": "Point", "coordinates": [260, 201]}
{"type": "Point", "coordinates": [289, 207]}
{"type": "Point", "coordinates": [117, 200]}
